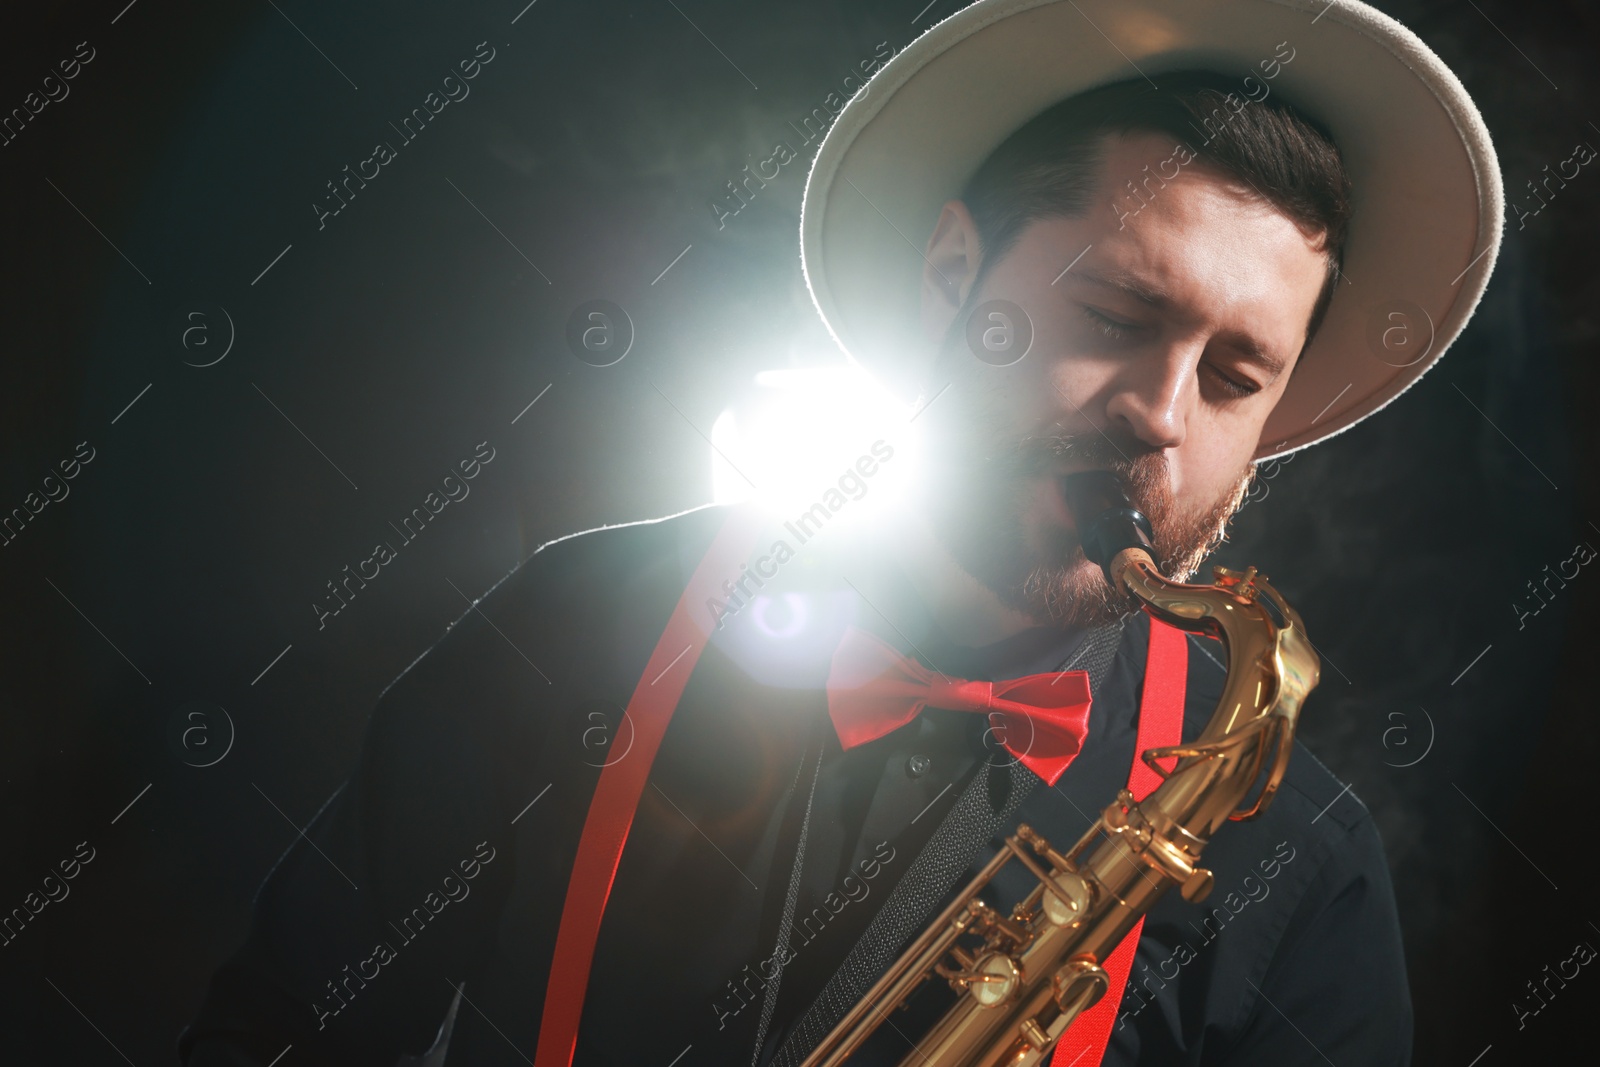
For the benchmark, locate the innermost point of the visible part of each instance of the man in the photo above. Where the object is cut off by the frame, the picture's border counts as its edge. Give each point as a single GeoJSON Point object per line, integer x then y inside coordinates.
{"type": "Point", "coordinates": [684, 846]}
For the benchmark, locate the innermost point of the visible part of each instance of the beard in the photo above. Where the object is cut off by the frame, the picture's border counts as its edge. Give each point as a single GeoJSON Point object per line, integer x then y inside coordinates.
{"type": "Point", "coordinates": [984, 477]}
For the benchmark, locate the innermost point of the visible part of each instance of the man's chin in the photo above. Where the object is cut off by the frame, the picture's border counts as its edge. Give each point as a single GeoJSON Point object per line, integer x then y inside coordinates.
{"type": "Point", "coordinates": [1040, 573]}
{"type": "Point", "coordinates": [1070, 596]}
{"type": "Point", "coordinates": [1036, 566]}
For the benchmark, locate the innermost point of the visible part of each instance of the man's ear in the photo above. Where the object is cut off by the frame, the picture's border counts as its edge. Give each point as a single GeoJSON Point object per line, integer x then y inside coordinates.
{"type": "Point", "coordinates": [950, 265]}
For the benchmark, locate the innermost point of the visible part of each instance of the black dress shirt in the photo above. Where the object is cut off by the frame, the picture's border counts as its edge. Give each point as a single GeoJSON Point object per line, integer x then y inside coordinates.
{"type": "Point", "coordinates": [761, 853]}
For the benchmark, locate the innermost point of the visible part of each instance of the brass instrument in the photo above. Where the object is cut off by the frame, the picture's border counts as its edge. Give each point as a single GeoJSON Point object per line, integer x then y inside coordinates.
{"type": "Point", "coordinates": [1033, 971]}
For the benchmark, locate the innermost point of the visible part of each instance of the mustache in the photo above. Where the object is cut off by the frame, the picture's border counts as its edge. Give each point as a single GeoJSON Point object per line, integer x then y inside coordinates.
{"type": "Point", "coordinates": [1143, 469]}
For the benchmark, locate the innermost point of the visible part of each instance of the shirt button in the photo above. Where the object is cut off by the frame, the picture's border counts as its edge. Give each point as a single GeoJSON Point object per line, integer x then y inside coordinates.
{"type": "Point", "coordinates": [918, 765]}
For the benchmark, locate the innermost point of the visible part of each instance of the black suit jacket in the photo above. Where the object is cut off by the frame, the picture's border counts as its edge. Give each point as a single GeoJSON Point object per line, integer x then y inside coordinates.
{"type": "Point", "coordinates": [442, 863]}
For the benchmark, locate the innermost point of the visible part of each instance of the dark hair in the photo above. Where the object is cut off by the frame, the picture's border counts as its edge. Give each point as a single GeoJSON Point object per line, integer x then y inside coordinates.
{"type": "Point", "coordinates": [1049, 166]}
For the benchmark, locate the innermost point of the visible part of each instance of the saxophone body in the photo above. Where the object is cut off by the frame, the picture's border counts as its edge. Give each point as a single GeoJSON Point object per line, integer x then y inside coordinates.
{"type": "Point", "coordinates": [1026, 975]}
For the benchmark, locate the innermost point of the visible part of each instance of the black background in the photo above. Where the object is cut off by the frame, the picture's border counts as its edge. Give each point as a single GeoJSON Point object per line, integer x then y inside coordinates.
{"type": "Point", "coordinates": [408, 330]}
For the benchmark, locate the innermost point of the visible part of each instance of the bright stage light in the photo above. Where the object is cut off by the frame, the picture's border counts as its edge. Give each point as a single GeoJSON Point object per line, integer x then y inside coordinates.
{"type": "Point", "coordinates": [828, 436]}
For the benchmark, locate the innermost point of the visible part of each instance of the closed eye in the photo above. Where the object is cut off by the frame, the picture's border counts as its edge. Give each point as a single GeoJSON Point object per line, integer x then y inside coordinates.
{"type": "Point", "coordinates": [1110, 327]}
{"type": "Point", "coordinates": [1231, 386]}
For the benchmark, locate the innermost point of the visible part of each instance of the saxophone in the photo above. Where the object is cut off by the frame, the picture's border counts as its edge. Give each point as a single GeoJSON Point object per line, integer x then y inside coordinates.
{"type": "Point", "coordinates": [1027, 975]}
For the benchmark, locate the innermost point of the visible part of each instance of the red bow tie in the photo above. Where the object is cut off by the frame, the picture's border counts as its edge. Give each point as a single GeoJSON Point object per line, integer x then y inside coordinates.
{"type": "Point", "coordinates": [1041, 719]}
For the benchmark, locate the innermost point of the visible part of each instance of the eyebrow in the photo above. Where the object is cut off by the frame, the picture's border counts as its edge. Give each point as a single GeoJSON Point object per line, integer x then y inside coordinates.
{"type": "Point", "coordinates": [1155, 297]}
{"type": "Point", "coordinates": [1125, 282]}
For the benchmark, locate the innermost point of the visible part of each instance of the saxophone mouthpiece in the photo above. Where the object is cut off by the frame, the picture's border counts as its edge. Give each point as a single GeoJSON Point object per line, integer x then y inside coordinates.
{"type": "Point", "coordinates": [1106, 519]}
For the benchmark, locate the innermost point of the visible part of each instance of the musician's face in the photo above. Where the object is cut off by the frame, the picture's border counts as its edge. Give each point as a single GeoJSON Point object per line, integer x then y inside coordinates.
{"type": "Point", "coordinates": [1158, 354]}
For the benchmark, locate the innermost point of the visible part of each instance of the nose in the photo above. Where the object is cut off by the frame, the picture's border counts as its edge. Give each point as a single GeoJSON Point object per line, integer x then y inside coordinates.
{"type": "Point", "coordinates": [1151, 396]}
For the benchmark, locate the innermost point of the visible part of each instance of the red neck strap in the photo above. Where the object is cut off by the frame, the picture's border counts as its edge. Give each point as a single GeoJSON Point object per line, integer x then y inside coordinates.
{"type": "Point", "coordinates": [616, 795]}
{"type": "Point", "coordinates": [1160, 725]}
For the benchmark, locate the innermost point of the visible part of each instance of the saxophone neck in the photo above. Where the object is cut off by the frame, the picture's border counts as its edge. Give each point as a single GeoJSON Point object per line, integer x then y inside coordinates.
{"type": "Point", "coordinates": [1217, 610]}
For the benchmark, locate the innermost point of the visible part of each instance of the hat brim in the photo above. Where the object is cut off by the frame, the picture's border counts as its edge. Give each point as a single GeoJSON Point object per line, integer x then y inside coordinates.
{"type": "Point", "coordinates": [1427, 198]}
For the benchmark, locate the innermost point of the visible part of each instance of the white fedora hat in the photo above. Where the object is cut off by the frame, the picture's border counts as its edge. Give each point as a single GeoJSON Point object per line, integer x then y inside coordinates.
{"type": "Point", "coordinates": [1427, 200]}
